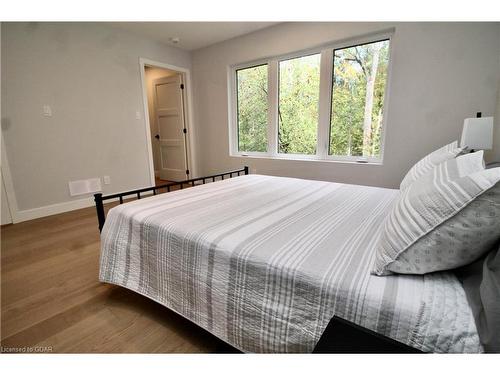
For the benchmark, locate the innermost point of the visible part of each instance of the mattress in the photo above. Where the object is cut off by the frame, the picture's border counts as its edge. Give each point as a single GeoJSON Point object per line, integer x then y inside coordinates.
{"type": "Point", "coordinates": [265, 262]}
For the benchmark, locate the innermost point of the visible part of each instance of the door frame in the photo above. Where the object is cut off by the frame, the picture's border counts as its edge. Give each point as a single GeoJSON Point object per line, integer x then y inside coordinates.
{"type": "Point", "coordinates": [188, 115]}
{"type": "Point", "coordinates": [8, 185]}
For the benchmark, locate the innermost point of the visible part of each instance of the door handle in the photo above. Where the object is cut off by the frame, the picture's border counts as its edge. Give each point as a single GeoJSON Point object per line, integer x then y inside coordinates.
{"type": "Point", "coordinates": [157, 136]}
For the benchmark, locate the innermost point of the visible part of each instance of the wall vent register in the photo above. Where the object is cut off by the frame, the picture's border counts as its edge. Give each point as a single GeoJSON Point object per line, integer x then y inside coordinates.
{"type": "Point", "coordinates": [81, 187]}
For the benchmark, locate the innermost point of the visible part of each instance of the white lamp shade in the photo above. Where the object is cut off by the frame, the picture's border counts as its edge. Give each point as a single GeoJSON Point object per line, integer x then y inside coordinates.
{"type": "Point", "coordinates": [477, 133]}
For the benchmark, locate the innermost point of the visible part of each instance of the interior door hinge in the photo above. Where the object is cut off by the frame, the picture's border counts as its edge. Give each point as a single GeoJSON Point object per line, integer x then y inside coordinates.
{"type": "Point", "coordinates": [184, 130]}
{"type": "Point", "coordinates": [182, 86]}
{"type": "Point", "coordinates": [187, 171]}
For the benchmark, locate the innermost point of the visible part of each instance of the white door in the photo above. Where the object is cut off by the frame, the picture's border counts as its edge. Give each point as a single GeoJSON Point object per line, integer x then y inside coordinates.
{"type": "Point", "coordinates": [169, 108]}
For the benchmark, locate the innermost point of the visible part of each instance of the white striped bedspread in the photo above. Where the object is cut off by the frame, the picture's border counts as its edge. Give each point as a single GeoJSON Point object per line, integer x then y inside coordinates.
{"type": "Point", "coordinates": [265, 262]}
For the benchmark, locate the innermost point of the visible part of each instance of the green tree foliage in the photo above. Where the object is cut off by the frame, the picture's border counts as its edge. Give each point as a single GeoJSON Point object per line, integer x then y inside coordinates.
{"type": "Point", "coordinates": [298, 105]}
{"type": "Point", "coordinates": [252, 109]}
{"type": "Point", "coordinates": [352, 68]}
{"type": "Point", "coordinates": [359, 80]}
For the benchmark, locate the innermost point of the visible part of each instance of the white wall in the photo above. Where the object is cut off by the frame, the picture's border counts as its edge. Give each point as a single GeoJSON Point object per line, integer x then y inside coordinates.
{"type": "Point", "coordinates": [494, 155]}
{"type": "Point", "coordinates": [89, 74]}
{"type": "Point", "coordinates": [441, 74]}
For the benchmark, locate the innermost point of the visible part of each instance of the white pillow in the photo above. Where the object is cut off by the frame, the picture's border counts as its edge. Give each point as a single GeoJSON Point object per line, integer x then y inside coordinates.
{"type": "Point", "coordinates": [441, 223]}
{"type": "Point", "coordinates": [453, 169]}
{"type": "Point", "coordinates": [426, 164]}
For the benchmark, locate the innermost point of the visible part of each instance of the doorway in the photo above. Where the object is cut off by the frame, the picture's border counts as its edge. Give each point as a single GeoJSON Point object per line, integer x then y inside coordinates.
{"type": "Point", "coordinates": [167, 115]}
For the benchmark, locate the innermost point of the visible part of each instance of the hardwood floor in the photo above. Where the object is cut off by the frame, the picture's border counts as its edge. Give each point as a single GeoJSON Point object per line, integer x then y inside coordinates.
{"type": "Point", "coordinates": [51, 296]}
{"type": "Point", "coordinates": [159, 181]}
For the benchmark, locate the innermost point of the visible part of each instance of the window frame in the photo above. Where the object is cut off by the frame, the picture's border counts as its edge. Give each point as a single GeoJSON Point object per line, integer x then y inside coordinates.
{"type": "Point", "coordinates": [324, 105]}
{"type": "Point", "coordinates": [236, 105]}
{"type": "Point", "coordinates": [278, 61]}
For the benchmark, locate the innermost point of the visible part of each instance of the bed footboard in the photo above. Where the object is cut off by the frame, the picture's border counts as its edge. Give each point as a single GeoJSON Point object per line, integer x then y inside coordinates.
{"type": "Point", "coordinates": [342, 336]}
{"type": "Point", "coordinates": [99, 198]}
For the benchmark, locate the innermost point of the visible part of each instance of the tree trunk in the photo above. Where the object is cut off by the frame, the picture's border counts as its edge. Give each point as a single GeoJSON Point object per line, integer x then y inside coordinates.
{"type": "Point", "coordinates": [370, 88]}
{"type": "Point", "coordinates": [376, 129]}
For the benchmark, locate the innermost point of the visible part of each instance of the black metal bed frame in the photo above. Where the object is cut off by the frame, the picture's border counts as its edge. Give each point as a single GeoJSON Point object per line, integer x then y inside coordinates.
{"type": "Point", "coordinates": [99, 198]}
{"type": "Point", "coordinates": [340, 336]}
{"type": "Point", "coordinates": [343, 337]}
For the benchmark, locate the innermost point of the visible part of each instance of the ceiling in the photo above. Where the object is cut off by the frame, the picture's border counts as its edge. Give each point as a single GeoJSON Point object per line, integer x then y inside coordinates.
{"type": "Point", "coordinates": [192, 35]}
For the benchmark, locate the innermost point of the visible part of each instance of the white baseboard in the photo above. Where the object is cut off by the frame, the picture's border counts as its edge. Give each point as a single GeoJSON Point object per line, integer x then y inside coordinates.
{"type": "Point", "coordinates": [35, 213]}
{"type": "Point", "coordinates": [58, 208]}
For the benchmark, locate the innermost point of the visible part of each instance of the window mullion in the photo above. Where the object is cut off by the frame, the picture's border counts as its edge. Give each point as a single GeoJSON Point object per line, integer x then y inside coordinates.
{"type": "Point", "coordinates": [272, 100]}
{"type": "Point", "coordinates": [233, 129]}
{"type": "Point", "coordinates": [325, 100]}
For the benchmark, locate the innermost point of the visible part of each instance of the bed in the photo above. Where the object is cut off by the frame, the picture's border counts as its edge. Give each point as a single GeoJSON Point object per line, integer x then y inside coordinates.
{"type": "Point", "coordinates": [264, 263]}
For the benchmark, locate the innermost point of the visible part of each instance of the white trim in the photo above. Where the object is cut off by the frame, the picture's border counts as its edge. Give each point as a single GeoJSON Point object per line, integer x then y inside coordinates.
{"type": "Point", "coordinates": [313, 158]}
{"type": "Point", "coordinates": [9, 186]}
{"type": "Point", "coordinates": [325, 103]}
{"type": "Point", "coordinates": [323, 131]}
{"type": "Point", "coordinates": [189, 118]}
{"type": "Point", "coordinates": [59, 208]}
{"type": "Point", "coordinates": [383, 131]}
{"type": "Point", "coordinates": [8, 220]}
{"type": "Point", "coordinates": [272, 128]}
{"type": "Point", "coordinates": [233, 108]}
{"type": "Point", "coordinates": [231, 98]}
{"type": "Point", "coordinates": [339, 44]}
{"type": "Point", "coordinates": [386, 107]}
{"type": "Point", "coordinates": [53, 209]}
{"type": "Point", "coordinates": [250, 64]}
{"type": "Point", "coordinates": [187, 96]}
{"type": "Point", "coordinates": [149, 144]}
{"type": "Point", "coordinates": [5, 171]}
{"type": "Point", "coordinates": [231, 111]}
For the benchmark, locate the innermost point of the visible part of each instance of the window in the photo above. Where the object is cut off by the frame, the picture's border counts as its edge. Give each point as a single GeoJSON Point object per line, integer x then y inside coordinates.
{"type": "Point", "coordinates": [324, 104]}
{"type": "Point", "coordinates": [298, 105]}
{"type": "Point", "coordinates": [252, 108]}
{"type": "Point", "coordinates": [359, 78]}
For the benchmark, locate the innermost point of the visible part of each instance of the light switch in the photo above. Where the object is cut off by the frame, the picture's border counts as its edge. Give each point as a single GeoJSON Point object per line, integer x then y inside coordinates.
{"type": "Point", "coordinates": [107, 180]}
{"type": "Point", "coordinates": [47, 111]}
{"type": "Point", "coordinates": [137, 115]}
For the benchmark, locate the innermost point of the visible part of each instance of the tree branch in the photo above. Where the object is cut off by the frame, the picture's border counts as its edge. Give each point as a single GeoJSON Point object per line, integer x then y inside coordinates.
{"type": "Point", "coordinates": [355, 58]}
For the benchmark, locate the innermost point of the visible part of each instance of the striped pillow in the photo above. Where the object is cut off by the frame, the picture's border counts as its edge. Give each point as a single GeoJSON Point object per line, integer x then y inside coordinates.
{"type": "Point", "coordinates": [453, 169]}
{"type": "Point", "coordinates": [426, 164]}
{"type": "Point", "coordinates": [441, 225]}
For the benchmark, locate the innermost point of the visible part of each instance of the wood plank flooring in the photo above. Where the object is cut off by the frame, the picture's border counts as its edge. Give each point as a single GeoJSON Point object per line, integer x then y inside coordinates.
{"type": "Point", "coordinates": [51, 296]}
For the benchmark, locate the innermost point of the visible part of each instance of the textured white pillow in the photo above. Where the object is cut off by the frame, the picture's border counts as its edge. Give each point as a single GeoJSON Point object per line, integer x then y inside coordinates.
{"type": "Point", "coordinates": [453, 169]}
{"type": "Point", "coordinates": [440, 224]}
{"type": "Point", "coordinates": [426, 164]}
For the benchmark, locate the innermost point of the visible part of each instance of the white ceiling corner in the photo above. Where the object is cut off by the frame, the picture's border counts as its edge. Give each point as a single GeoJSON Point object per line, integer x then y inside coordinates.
{"type": "Point", "coordinates": [192, 35]}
